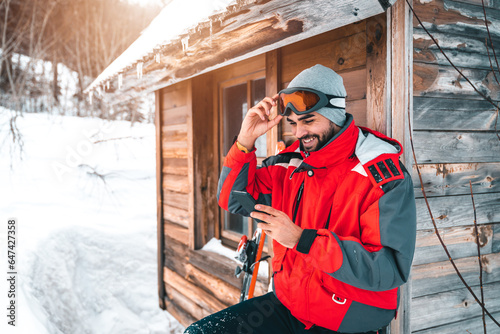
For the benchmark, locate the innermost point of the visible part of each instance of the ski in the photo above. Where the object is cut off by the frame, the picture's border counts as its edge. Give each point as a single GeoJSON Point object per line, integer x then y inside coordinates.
{"type": "Point", "coordinates": [249, 253]}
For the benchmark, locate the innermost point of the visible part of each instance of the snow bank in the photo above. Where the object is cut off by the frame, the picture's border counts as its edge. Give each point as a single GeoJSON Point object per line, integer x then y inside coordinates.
{"type": "Point", "coordinates": [84, 195]}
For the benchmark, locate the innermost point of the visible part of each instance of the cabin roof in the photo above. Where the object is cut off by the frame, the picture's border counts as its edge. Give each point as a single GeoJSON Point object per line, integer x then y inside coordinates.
{"type": "Point", "coordinates": [212, 34]}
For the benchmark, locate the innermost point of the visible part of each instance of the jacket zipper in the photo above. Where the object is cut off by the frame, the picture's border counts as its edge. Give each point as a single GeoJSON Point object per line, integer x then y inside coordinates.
{"type": "Point", "coordinates": [297, 201]}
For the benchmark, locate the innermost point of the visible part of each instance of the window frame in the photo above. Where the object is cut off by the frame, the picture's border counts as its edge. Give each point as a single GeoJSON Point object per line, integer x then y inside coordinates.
{"type": "Point", "coordinates": [228, 236]}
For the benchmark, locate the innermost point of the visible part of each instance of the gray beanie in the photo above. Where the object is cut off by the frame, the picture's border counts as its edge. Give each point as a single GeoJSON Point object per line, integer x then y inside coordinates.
{"type": "Point", "coordinates": [325, 80]}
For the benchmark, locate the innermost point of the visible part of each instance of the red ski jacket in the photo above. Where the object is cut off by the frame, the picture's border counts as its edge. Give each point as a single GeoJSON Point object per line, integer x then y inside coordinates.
{"type": "Point", "coordinates": [355, 202]}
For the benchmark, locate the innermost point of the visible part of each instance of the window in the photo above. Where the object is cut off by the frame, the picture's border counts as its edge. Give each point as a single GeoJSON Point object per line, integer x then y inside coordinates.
{"type": "Point", "coordinates": [236, 97]}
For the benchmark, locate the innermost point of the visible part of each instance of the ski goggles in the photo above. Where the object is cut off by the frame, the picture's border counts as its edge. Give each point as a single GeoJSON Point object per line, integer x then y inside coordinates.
{"type": "Point", "coordinates": [305, 100]}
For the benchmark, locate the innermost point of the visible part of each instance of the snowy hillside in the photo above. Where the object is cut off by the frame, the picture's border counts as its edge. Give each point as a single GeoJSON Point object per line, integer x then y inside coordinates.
{"type": "Point", "coordinates": [84, 195]}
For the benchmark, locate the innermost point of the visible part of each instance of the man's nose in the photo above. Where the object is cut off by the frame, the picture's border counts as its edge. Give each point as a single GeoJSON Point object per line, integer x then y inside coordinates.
{"type": "Point", "coordinates": [300, 131]}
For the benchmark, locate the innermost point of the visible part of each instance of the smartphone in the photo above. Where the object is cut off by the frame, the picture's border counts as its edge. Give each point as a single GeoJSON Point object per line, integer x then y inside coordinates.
{"type": "Point", "coordinates": [246, 200]}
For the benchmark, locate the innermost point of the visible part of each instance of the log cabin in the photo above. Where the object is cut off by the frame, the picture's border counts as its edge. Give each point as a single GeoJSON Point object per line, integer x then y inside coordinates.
{"type": "Point", "coordinates": [209, 71]}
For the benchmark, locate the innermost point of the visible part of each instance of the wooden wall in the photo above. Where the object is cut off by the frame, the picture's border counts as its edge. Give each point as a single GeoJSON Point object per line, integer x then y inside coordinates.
{"type": "Point", "coordinates": [197, 283]}
{"type": "Point", "coordinates": [455, 143]}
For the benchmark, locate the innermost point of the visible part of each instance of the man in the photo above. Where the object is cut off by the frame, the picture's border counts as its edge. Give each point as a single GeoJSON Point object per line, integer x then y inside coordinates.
{"type": "Point", "coordinates": [339, 207]}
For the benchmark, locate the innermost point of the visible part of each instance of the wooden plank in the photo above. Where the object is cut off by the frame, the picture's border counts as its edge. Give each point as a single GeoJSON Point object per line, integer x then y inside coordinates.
{"type": "Point", "coordinates": [355, 83]}
{"type": "Point", "coordinates": [190, 179]}
{"type": "Point", "coordinates": [174, 97]}
{"type": "Point", "coordinates": [460, 241]}
{"type": "Point", "coordinates": [176, 199]}
{"type": "Point", "coordinates": [176, 255]}
{"type": "Point", "coordinates": [176, 215]}
{"type": "Point", "coordinates": [175, 153]}
{"type": "Point", "coordinates": [457, 210]}
{"type": "Point", "coordinates": [175, 166]}
{"type": "Point", "coordinates": [471, 325]}
{"type": "Point", "coordinates": [495, 247]}
{"type": "Point", "coordinates": [176, 232]}
{"type": "Point", "coordinates": [456, 147]}
{"type": "Point", "coordinates": [179, 313]}
{"type": "Point", "coordinates": [175, 128]}
{"type": "Point", "coordinates": [432, 80]}
{"type": "Point", "coordinates": [176, 115]}
{"type": "Point", "coordinates": [217, 265]}
{"type": "Point", "coordinates": [175, 136]}
{"type": "Point", "coordinates": [432, 278]}
{"type": "Point", "coordinates": [327, 38]}
{"type": "Point", "coordinates": [456, 104]}
{"type": "Point", "coordinates": [453, 179]}
{"type": "Point", "coordinates": [449, 307]}
{"type": "Point", "coordinates": [159, 203]}
{"type": "Point", "coordinates": [225, 292]}
{"type": "Point", "coordinates": [457, 16]}
{"type": "Point", "coordinates": [191, 291]}
{"type": "Point", "coordinates": [472, 119]}
{"type": "Point", "coordinates": [400, 85]}
{"type": "Point", "coordinates": [194, 310]}
{"type": "Point", "coordinates": [358, 110]}
{"type": "Point", "coordinates": [376, 73]}
{"type": "Point", "coordinates": [401, 78]}
{"type": "Point", "coordinates": [273, 77]}
{"type": "Point", "coordinates": [464, 51]}
{"type": "Point", "coordinates": [341, 55]}
{"type": "Point", "coordinates": [205, 162]}
{"type": "Point", "coordinates": [171, 144]}
{"type": "Point", "coordinates": [176, 183]}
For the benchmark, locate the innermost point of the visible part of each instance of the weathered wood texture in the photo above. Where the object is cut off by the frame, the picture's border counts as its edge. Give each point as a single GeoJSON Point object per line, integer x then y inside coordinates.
{"type": "Point", "coordinates": [455, 143]}
{"type": "Point", "coordinates": [453, 306]}
{"type": "Point", "coordinates": [159, 203]}
{"type": "Point", "coordinates": [376, 73]}
{"type": "Point", "coordinates": [175, 113]}
{"type": "Point", "coordinates": [205, 164]}
{"type": "Point", "coordinates": [199, 282]}
{"type": "Point", "coordinates": [399, 106]}
{"type": "Point", "coordinates": [460, 241]}
{"type": "Point", "coordinates": [457, 210]}
{"type": "Point", "coordinates": [453, 179]}
{"type": "Point", "coordinates": [470, 325]}
{"type": "Point", "coordinates": [265, 25]}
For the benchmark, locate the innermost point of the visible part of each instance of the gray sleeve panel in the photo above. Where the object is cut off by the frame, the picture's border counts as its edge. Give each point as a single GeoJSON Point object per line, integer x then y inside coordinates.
{"type": "Point", "coordinates": [240, 183]}
{"type": "Point", "coordinates": [361, 318]}
{"type": "Point", "coordinates": [389, 267]}
{"type": "Point", "coordinates": [223, 175]}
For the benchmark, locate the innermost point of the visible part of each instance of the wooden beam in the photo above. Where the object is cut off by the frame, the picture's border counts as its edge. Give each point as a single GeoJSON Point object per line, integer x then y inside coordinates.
{"type": "Point", "coordinates": [159, 202]}
{"type": "Point", "coordinates": [205, 164]}
{"type": "Point", "coordinates": [400, 53]}
{"type": "Point", "coordinates": [376, 73]}
{"type": "Point", "coordinates": [273, 84]}
{"type": "Point", "coordinates": [190, 179]}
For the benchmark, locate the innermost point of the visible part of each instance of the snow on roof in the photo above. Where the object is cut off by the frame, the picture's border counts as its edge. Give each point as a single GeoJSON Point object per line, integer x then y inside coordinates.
{"type": "Point", "coordinates": [174, 20]}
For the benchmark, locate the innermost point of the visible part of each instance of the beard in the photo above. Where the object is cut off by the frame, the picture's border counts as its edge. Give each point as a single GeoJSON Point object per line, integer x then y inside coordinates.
{"type": "Point", "coordinates": [320, 139]}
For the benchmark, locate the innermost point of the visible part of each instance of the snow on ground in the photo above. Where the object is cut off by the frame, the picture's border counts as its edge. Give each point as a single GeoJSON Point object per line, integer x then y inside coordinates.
{"type": "Point", "coordinates": [84, 195]}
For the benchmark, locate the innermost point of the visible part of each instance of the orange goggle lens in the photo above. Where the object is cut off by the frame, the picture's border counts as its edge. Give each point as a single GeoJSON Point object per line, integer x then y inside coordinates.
{"type": "Point", "coordinates": [302, 100]}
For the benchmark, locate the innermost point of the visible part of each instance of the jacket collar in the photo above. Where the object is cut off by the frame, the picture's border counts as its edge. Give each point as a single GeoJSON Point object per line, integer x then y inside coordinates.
{"type": "Point", "coordinates": [338, 149]}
